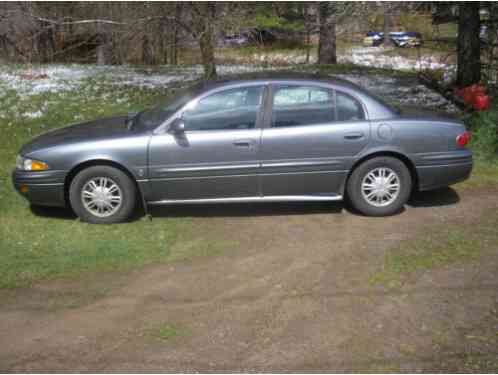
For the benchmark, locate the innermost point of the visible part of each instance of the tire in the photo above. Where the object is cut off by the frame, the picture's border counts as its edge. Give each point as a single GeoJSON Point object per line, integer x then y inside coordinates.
{"type": "Point", "coordinates": [367, 177]}
{"type": "Point", "coordinates": [97, 205]}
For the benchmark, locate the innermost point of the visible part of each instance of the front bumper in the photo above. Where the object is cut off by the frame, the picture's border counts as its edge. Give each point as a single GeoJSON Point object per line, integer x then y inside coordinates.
{"type": "Point", "coordinates": [45, 188]}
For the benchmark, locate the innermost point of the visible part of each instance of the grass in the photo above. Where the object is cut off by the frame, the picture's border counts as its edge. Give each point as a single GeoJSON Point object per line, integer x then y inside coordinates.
{"type": "Point", "coordinates": [485, 146]}
{"type": "Point", "coordinates": [437, 247]}
{"type": "Point", "coordinates": [481, 363]}
{"type": "Point", "coordinates": [484, 173]}
{"type": "Point", "coordinates": [478, 343]}
{"type": "Point", "coordinates": [165, 332]}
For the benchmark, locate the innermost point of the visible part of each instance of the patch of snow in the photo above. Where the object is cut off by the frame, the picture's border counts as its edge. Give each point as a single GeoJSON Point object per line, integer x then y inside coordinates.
{"type": "Point", "coordinates": [364, 56]}
{"type": "Point", "coordinates": [375, 57]}
{"type": "Point", "coordinates": [59, 79]}
{"type": "Point", "coordinates": [33, 114]}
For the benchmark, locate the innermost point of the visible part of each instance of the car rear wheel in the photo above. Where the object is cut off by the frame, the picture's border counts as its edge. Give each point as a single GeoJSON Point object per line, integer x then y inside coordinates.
{"type": "Point", "coordinates": [102, 195]}
{"type": "Point", "coordinates": [380, 186]}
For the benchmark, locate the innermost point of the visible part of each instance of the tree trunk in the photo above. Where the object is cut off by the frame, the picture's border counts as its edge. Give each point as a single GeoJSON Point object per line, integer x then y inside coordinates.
{"type": "Point", "coordinates": [3, 46]}
{"type": "Point", "coordinates": [308, 45]}
{"type": "Point", "coordinates": [387, 25]}
{"type": "Point", "coordinates": [469, 46]}
{"type": "Point", "coordinates": [163, 42]}
{"type": "Point", "coordinates": [164, 50]}
{"type": "Point", "coordinates": [492, 71]}
{"type": "Point", "coordinates": [174, 43]}
{"type": "Point", "coordinates": [173, 54]}
{"type": "Point", "coordinates": [101, 58]}
{"type": "Point", "coordinates": [207, 53]}
{"type": "Point", "coordinates": [146, 51]}
{"type": "Point", "coordinates": [51, 35]}
{"type": "Point", "coordinates": [102, 46]}
{"type": "Point", "coordinates": [327, 41]}
{"type": "Point", "coordinates": [308, 19]}
{"type": "Point", "coordinates": [206, 14]}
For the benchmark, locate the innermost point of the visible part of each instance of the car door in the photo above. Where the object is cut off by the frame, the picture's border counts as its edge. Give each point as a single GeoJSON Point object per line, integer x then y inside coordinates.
{"type": "Point", "coordinates": [310, 140]}
{"type": "Point", "coordinates": [217, 154]}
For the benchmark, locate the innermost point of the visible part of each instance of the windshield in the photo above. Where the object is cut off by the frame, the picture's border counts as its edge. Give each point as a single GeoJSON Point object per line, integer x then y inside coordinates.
{"type": "Point", "coordinates": [152, 118]}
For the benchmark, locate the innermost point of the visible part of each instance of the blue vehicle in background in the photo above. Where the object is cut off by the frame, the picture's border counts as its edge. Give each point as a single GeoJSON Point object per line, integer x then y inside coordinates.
{"type": "Point", "coordinates": [399, 38]}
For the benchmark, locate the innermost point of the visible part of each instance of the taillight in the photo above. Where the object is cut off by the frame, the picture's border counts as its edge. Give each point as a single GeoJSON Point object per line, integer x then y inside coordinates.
{"type": "Point", "coordinates": [463, 139]}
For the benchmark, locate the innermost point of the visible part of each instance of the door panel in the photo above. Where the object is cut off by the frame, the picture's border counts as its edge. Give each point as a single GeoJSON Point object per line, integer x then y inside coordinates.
{"type": "Point", "coordinates": [311, 159]}
{"type": "Point", "coordinates": [310, 142]}
{"type": "Point", "coordinates": [217, 155]}
{"type": "Point", "coordinates": [204, 164]}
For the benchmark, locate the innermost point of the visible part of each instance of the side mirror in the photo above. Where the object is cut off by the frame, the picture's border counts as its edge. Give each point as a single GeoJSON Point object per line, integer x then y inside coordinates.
{"type": "Point", "coordinates": [177, 126]}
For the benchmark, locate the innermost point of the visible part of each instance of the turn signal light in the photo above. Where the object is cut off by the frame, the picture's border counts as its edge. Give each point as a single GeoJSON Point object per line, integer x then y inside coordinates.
{"type": "Point", "coordinates": [38, 166]}
{"type": "Point", "coordinates": [463, 139]}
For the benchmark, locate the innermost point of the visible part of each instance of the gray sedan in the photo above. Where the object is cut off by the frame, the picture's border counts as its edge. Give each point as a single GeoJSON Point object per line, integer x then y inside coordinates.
{"type": "Point", "coordinates": [249, 139]}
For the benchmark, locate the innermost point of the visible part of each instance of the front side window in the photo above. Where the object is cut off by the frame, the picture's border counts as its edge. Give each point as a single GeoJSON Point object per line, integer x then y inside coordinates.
{"type": "Point", "coordinates": [151, 118]}
{"type": "Point", "coordinates": [302, 105]}
{"type": "Point", "coordinates": [227, 110]}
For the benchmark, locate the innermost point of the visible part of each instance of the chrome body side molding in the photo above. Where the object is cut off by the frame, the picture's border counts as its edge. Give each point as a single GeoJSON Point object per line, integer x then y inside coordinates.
{"type": "Point", "coordinates": [275, 198]}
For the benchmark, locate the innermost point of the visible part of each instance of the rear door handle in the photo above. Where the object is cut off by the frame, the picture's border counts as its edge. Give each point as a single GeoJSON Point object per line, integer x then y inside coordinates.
{"type": "Point", "coordinates": [355, 135]}
{"type": "Point", "coordinates": [244, 143]}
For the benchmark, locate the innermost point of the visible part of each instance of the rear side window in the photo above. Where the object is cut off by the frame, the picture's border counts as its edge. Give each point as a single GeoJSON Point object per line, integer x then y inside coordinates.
{"type": "Point", "coordinates": [302, 105]}
{"type": "Point", "coordinates": [295, 105]}
{"type": "Point", "coordinates": [348, 108]}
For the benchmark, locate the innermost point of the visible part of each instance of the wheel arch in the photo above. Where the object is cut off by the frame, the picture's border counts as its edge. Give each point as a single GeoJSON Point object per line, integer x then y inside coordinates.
{"type": "Point", "coordinates": [99, 162]}
{"type": "Point", "coordinates": [394, 154]}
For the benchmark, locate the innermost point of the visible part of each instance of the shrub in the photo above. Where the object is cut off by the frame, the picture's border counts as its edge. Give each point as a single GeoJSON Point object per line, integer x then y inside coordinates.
{"type": "Point", "coordinates": [484, 126]}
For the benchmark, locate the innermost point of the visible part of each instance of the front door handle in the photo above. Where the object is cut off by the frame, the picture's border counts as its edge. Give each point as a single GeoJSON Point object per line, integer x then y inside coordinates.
{"type": "Point", "coordinates": [244, 143]}
{"type": "Point", "coordinates": [354, 135]}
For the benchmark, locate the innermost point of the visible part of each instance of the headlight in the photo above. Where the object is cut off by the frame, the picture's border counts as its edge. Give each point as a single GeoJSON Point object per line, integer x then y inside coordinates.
{"type": "Point", "coordinates": [26, 164]}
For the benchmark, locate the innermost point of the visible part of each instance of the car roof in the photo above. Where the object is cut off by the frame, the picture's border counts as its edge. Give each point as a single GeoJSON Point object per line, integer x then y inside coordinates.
{"type": "Point", "coordinates": [276, 76]}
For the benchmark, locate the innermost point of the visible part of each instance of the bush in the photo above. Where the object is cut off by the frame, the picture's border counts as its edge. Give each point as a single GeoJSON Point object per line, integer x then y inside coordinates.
{"type": "Point", "coordinates": [484, 126]}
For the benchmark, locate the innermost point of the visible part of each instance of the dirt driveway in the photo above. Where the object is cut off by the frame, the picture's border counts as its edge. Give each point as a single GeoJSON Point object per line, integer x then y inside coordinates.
{"type": "Point", "coordinates": [291, 294]}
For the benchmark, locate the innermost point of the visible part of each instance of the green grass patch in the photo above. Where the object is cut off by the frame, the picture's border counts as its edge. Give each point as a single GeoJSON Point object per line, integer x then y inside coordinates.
{"type": "Point", "coordinates": [199, 246]}
{"type": "Point", "coordinates": [480, 363]}
{"type": "Point", "coordinates": [437, 247]}
{"type": "Point", "coordinates": [484, 144]}
{"type": "Point", "coordinates": [484, 126]}
{"type": "Point", "coordinates": [165, 332]}
{"type": "Point", "coordinates": [484, 173]}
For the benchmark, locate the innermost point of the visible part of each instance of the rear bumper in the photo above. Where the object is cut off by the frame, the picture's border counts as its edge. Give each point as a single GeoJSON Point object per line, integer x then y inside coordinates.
{"type": "Point", "coordinates": [436, 176]}
{"type": "Point", "coordinates": [441, 169]}
{"type": "Point", "coordinates": [41, 188]}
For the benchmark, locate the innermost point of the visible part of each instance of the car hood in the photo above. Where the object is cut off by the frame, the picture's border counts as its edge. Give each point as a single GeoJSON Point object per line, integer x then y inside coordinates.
{"type": "Point", "coordinates": [83, 132]}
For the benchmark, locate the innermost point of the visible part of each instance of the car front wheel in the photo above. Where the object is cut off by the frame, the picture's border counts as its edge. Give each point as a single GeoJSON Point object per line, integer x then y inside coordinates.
{"type": "Point", "coordinates": [380, 186]}
{"type": "Point", "coordinates": [102, 195]}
